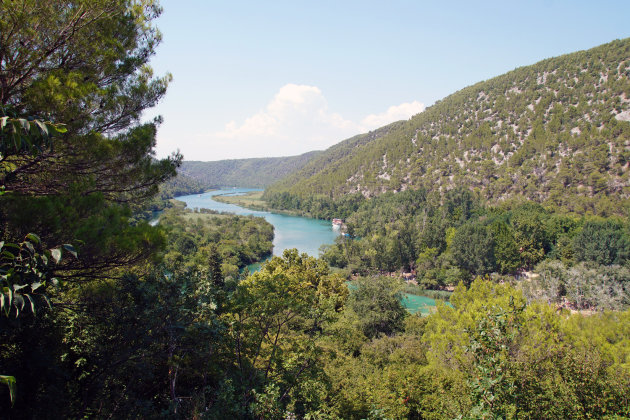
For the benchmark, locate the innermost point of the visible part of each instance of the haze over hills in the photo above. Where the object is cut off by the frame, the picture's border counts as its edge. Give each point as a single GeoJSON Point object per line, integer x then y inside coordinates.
{"type": "Point", "coordinates": [254, 172]}
{"type": "Point", "coordinates": [262, 172]}
{"type": "Point", "coordinates": [556, 132]}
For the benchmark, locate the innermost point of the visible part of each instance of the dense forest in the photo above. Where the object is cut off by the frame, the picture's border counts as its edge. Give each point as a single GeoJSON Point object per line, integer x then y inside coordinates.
{"type": "Point", "coordinates": [252, 173]}
{"type": "Point", "coordinates": [580, 262]}
{"type": "Point", "coordinates": [103, 315]}
{"type": "Point", "coordinates": [180, 185]}
{"type": "Point", "coordinates": [554, 132]}
{"type": "Point", "coordinates": [199, 235]}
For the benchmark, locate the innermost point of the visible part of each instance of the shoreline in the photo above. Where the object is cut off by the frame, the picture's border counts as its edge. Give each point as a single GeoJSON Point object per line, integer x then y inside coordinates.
{"type": "Point", "coordinates": [248, 201]}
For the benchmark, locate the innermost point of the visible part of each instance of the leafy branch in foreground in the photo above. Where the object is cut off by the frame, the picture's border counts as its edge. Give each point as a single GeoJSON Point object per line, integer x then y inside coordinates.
{"type": "Point", "coordinates": [25, 135]}
{"type": "Point", "coordinates": [490, 344]}
{"type": "Point", "coordinates": [10, 382]}
{"type": "Point", "coordinates": [25, 271]}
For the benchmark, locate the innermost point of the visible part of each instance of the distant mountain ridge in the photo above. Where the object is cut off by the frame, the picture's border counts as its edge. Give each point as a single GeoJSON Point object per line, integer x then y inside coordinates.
{"type": "Point", "coordinates": [253, 173]}
{"type": "Point", "coordinates": [556, 132]}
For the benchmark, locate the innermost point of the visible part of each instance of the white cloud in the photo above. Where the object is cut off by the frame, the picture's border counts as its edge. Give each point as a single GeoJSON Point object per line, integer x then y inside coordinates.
{"type": "Point", "coordinates": [394, 113]}
{"type": "Point", "coordinates": [298, 120]}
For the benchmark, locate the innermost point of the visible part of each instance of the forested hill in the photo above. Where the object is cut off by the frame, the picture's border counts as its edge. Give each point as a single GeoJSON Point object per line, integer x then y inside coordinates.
{"type": "Point", "coordinates": [255, 172]}
{"type": "Point", "coordinates": [335, 157]}
{"type": "Point", "coordinates": [554, 132]}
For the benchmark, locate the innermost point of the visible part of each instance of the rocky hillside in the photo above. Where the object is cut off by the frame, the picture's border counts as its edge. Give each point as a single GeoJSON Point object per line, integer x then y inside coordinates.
{"type": "Point", "coordinates": [556, 132]}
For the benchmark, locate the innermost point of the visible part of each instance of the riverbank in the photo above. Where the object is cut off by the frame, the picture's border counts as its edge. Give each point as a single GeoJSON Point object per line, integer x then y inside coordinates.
{"type": "Point", "coordinates": [305, 234]}
{"type": "Point", "coordinates": [252, 200]}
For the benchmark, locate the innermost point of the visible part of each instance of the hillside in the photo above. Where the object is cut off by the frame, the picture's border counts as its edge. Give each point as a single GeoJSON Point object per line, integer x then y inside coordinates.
{"type": "Point", "coordinates": [180, 185]}
{"type": "Point", "coordinates": [336, 156]}
{"type": "Point", "coordinates": [255, 172]}
{"type": "Point", "coordinates": [554, 132]}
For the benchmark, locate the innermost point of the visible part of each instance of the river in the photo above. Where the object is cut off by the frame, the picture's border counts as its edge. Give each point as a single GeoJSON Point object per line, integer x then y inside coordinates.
{"type": "Point", "coordinates": [303, 233]}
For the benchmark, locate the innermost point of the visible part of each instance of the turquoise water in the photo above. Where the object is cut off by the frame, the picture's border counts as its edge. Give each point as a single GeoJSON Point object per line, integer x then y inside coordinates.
{"type": "Point", "coordinates": [412, 303]}
{"type": "Point", "coordinates": [303, 233]}
{"type": "Point", "coordinates": [415, 303]}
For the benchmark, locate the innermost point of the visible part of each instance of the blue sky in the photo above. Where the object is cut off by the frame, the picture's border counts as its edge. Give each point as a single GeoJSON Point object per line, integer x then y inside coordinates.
{"type": "Point", "coordinates": [278, 78]}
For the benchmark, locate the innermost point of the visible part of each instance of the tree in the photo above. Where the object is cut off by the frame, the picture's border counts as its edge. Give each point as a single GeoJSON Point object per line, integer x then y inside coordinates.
{"type": "Point", "coordinates": [604, 242]}
{"type": "Point", "coordinates": [473, 249]}
{"type": "Point", "coordinates": [505, 249]}
{"type": "Point", "coordinates": [377, 301]}
{"type": "Point", "coordinates": [275, 318]}
{"type": "Point", "coordinates": [530, 233]}
{"type": "Point", "coordinates": [491, 342]}
{"type": "Point", "coordinates": [78, 61]}
{"type": "Point", "coordinates": [84, 64]}
{"type": "Point", "coordinates": [75, 163]}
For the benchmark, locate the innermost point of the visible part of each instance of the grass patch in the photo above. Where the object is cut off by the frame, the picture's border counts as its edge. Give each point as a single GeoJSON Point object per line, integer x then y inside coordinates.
{"type": "Point", "coordinates": [251, 199]}
{"type": "Point", "coordinates": [177, 204]}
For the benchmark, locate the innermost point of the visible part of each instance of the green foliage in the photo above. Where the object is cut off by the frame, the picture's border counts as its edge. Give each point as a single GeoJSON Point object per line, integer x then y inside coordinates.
{"type": "Point", "coordinates": [21, 136]}
{"type": "Point", "coordinates": [86, 70]}
{"type": "Point", "coordinates": [604, 242]}
{"type": "Point", "coordinates": [275, 319]}
{"type": "Point", "coordinates": [518, 362]}
{"type": "Point", "coordinates": [531, 233]}
{"type": "Point", "coordinates": [487, 356]}
{"type": "Point", "coordinates": [25, 271]}
{"type": "Point", "coordinates": [491, 341]}
{"type": "Point", "coordinates": [452, 240]}
{"type": "Point", "coordinates": [377, 304]}
{"type": "Point", "coordinates": [473, 249]}
{"type": "Point", "coordinates": [394, 230]}
{"type": "Point", "coordinates": [505, 248]}
{"type": "Point", "coordinates": [215, 240]}
{"type": "Point", "coordinates": [74, 161]}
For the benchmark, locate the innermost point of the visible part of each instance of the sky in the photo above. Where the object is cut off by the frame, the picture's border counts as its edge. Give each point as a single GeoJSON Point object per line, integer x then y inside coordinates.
{"type": "Point", "coordinates": [281, 78]}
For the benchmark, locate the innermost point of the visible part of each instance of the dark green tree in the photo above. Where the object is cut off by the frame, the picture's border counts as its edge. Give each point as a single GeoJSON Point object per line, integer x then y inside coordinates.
{"type": "Point", "coordinates": [505, 248]}
{"type": "Point", "coordinates": [528, 222]}
{"type": "Point", "coordinates": [377, 303]}
{"type": "Point", "coordinates": [83, 64]}
{"type": "Point", "coordinates": [214, 267]}
{"type": "Point", "coordinates": [604, 242]}
{"type": "Point", "coordinates": [473, 249]}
